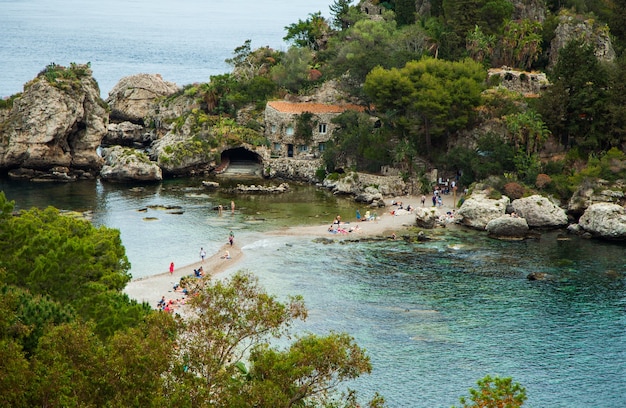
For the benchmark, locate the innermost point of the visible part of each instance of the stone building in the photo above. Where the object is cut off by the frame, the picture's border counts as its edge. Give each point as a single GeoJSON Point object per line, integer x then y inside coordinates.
{"type": "Point", "coordinates": [301, 129]}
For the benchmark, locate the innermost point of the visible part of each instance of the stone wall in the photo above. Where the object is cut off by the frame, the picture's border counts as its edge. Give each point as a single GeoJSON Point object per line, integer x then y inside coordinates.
{"type": "Point", "coordinates": [292, 169]}
{"type": "Point", "coordinates": [278, 123]}
{"type": "Point", "coordinates": [527, 83]}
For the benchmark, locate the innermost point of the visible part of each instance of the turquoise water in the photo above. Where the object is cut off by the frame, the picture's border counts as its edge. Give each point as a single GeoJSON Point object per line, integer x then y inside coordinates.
{"type": "Point", "coordinates": [434, 317]}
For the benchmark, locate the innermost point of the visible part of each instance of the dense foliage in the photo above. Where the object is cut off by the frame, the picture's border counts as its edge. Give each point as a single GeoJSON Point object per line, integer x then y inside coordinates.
{"type": "Point", "coordinates": [68, 337]}
{"type": "Point", "coordinates": [422, 74]}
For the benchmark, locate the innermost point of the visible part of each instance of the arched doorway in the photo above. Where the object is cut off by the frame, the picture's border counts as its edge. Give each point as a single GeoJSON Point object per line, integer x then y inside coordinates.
{"type": "Point", "coordinates": [240, 161]}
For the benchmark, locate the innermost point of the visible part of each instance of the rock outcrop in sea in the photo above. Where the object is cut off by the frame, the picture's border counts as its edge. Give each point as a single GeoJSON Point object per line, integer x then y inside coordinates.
{"type": "Point", "coordinates": [55, 127]}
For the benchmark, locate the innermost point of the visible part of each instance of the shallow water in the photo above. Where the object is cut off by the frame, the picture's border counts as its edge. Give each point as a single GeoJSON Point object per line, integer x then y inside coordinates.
{"type": "Point", "coordinates": [434, 317]}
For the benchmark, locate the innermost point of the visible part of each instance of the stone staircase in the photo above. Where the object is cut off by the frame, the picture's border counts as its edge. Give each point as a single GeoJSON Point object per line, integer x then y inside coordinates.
{"type": "Point", "coordinates": [243, 168]}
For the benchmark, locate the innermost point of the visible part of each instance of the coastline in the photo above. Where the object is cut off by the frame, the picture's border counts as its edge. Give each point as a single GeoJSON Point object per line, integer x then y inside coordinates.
{"type": "Point", "coordinates": [152, 288]}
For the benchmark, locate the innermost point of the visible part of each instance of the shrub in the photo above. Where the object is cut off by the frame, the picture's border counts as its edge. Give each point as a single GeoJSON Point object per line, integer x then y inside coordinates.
{"type": "Point", "coordinates": [513, 190]}
{"type": "Point", "coordinates": [542, 181]}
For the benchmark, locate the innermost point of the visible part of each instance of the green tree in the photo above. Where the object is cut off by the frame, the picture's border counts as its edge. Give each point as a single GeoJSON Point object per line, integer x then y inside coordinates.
{"type": "Point", "coordinates": [480, 46]}
{"type": "Point", "coordinates": [311, 33]}
{"type": "Point", "coordinates": [292, 73]}
{"type": "Point", "coordinates": [230, 318]}
{"type": "Point", "coordinates": [72, 262]}
{"type": "Point", "coordinates": [495, 392]}
{"type": "Point", "coordinates": [362, 47]}
{"type": "Point", "coordinates": [520, 44]}
{"type": "Point", "coordinates": [430, 97]}
{"type": "Point", "coordinates": [15, 373]}
{"type": "Point", "coordinates": [340, 11]}
{"type": "Point", "coordinates": [574, 106]}
{"type": "Point", "coordinates": [616, 104]}
{"type": "Point", "coordinates": [527, 130]}
{"type": "Point", "coordinates": [68, 367]}
{"type": "Point", "coordinates": [405, 12]}
{"type": "Point", "coordinates": [307, 372]}
{"type": "Point", "coordinates": [356, 144]}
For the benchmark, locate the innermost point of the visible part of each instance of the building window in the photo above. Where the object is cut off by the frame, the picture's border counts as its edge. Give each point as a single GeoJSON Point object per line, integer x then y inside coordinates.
{"type": "Point", "coordinates": [276, 146]}
{"type": "Point", "coordinates": [322, 128]}
{"type": "Point", "coordinates": [321, 146]}
{"type": "Point", "coordinates": [303, 148]}
{"type": "Point", "coordinates": [289, 130]}
{"type": "Point", "coordinates": [273, 128]}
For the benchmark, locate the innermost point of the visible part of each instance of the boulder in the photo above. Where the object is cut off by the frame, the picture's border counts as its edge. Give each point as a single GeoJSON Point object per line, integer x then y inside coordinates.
{"type": "Point", "coordinates": [366, 187]}
{"type": "Point", "coordinates": [55, 123]}
{"type": "Point", "coordinates": [369, 195]}
{"type": "Point", "coordinates": [478, 209]}
{"type": "Point", "coordinates": [133, 97]}
{"type": "Point", "coordinates": [595, 191]}
{"type": "Point", "coordinates": [507, 227]}
{"type": "Point", "coordinates": [426, 217]}
{"type": "Point", "coordinates": [540, 212]}
{"type": "Point", "coordinates": [259, 189]}
{"type": "Point", "coordinates": [177, 153]}
{"type": "Point", "coordinates": [605, 220]}
{"type": "Point", "coordinates": [126, 164]}
{"type": "Point", "coordinates": [127, 134]}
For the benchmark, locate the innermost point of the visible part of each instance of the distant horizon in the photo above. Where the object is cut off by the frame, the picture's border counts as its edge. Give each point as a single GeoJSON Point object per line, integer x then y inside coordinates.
{"type": "Point", "coordinates": [184, 42]}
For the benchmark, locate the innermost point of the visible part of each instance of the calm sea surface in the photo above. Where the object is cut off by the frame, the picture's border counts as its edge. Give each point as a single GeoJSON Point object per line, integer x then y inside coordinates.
{"type": "Point", "coordinates": [185, 41]}
{"type": "Point", "coordinates": [434, 317]}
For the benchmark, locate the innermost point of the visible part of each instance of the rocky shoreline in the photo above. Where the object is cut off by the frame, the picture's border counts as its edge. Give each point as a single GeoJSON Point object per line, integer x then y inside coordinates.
{"type": "Point", "coordinates": [63, 131]}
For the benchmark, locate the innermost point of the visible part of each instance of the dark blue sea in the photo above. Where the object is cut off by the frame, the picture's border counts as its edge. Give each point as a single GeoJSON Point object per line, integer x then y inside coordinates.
{"type": "Point", "coordinates": [186, 41]}
{"type": "Point", "coordinates": [434, 317]}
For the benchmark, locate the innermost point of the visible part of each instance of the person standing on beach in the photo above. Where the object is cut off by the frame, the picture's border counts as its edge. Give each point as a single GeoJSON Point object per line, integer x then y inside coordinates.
{"type": "Point", "coordinates": [231, 238]}
{"type": "Point", "coordinates": [423, 199]}
{"type": "Point", "coordinates": [202, 254]}
{"type": "Point", "coordinates": [171, 268]}
{"type": "Point", "coordinates": [232, 207]}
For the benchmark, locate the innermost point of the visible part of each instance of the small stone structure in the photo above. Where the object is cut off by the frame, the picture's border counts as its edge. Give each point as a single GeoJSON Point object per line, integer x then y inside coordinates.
{"type": "Point", "coordinates": [524, 82]}
{"type": "Point", "coordinates": [281, 122]}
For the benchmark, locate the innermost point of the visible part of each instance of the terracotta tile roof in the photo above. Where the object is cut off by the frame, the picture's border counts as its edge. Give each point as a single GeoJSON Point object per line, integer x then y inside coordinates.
{"type": "Point", "coordinates": [301, 107]}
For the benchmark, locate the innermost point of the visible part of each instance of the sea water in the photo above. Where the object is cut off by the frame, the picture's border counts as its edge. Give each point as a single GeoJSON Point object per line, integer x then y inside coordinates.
{"type": "Point", "coordinates": [186, 41]}
{"type": "Point", "coordinates": [434, 316]}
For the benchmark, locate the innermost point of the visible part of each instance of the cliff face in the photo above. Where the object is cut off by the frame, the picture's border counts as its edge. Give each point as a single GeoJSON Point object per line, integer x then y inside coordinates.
{"type": "Point", "coordinates": [575, 27]}
{"type": "Point", "coordinates": [54, 128]}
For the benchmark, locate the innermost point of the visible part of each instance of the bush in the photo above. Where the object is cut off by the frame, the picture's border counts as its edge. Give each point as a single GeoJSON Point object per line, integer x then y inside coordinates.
{"type": "Point", "coordinates": [543, 180]}
{"type": "Point", "coordinates": [513, 190]}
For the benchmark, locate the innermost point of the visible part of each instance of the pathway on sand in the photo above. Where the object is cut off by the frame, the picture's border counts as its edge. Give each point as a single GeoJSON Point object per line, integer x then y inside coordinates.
{"type": "Point", "coordinates": [150, 289]}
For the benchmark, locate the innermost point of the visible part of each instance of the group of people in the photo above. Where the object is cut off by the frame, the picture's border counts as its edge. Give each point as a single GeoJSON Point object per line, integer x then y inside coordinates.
{"type": "Point", "coordinates": [338, 228]}
{"type": "Point", "coordinates": [169, 305]}
{"type": "Point", "coordinates": [220, 208]}
{"type": "Point", "coordinates": [400, 209]}
{"type": "Point", "coordinates": [367, 217]}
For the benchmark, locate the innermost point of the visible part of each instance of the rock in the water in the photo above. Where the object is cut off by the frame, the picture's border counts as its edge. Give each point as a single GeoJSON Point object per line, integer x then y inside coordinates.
{"type": "Point", "coordinates": [540, 212]}
{"type": "Point", "coordinates": [477, 210]}
{"type": "Point", "coordinates": [508, 227]}
{"type": "Point", "coordinates": [126, 164]}
{"type": "Point", "coordinates": [605, 220]}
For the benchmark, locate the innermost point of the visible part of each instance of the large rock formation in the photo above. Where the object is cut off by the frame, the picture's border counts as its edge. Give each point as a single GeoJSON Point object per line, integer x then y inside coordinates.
{"type": "Point", "coordinates": [133, 97]}
{"type": "Point", "coordinates": [595, 191]}
{"type": "Point", "coordinates": [540, 212]}
{"type": "Point", "coordinates": [125, 164]}
{"type": "Point", "coordinates": [356, 184]}
{"type": "Point", "coordinates": [574, 27]}
{"type": "Point", "coordinates": [426, 217]}
{"type": "Point", "coordinates": [605, 220]}
{"type": "Point", "coordinates": [55, 127]}
{"type": "Point", "coordinates": [127, 134]}
{"type": "Point", "coordinates": [507, 227]}
{"type": "Point", "coordinates": [477, 210]}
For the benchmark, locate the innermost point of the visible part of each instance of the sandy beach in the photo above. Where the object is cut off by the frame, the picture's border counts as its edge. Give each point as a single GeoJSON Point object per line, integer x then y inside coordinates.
{"type": "Point", "coordinates": [150, 289]}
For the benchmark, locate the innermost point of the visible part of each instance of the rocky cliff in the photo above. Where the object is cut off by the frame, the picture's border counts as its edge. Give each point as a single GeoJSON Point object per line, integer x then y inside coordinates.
{"type": "Point", "coordinates": [54, 128]}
